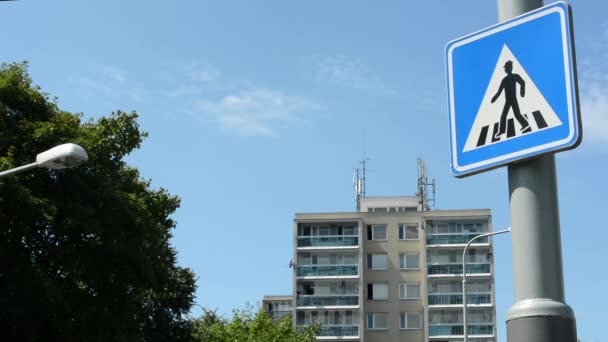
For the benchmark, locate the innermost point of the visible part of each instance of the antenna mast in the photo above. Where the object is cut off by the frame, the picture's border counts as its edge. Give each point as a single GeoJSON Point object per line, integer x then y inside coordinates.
{"type": "Point", "coordinates": [423, 186]}
{"type": "Point", "coordinates": [357, 185]}
{"type": "Point", "coordinates": [364, 182]}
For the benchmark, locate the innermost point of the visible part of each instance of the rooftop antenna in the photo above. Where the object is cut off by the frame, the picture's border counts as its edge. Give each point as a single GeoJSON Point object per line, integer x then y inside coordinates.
{"type": "Point", "coordinates": [423, 186]}
{"type": "Point", "coordinates": [365, 159]}
{"type": "Point", "coordinates": [363, 179]}
{"type": "Point", "coordinates": [359, 178]}
{"type": "Point", "coordinates": [358, 185]}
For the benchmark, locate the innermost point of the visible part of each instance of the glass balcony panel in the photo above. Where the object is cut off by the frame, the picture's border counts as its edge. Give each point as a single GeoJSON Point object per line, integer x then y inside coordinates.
{"type": "Point", "coordinates": [279, 314]}
{"type": "Point", "coordinates": [457, 330]}
{"type": "Point", "coordinates": [328, 241]}
{"type": "Point", "coordinates": [327, 300]}
{"type": "Point", "coordinates": [457, 268]}
{"type": "Point", "coordinates": [318, 270]}
{"type": "Point", "coordinates": [455, 299]}
{"type": "Point", "coordinates": [453, 239]}
{"type": "Point", "coordinates": [338, 330]}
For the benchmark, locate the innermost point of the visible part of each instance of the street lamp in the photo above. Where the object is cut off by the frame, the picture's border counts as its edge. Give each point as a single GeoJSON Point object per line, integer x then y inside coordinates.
{"type": "Point", "coordinates": [464, 278]}
{"type": "Point", "coordinates": [59, 157]}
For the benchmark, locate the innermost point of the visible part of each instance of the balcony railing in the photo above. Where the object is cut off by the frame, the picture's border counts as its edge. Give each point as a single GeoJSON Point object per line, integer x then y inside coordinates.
{"type": "Point", "coordinates": [455, 299]}
{"type": "Point", "coordinates": [328, 241]}
{"type": "Point", "coordinates": [457, 329]}
{"type": "Point", "coordinates": [339, 330]}
{"type": "Point", "coordinates": [453, 239]}
{"type": "Point", "coordinates": [457, 268]}
{"type": "Point", "coordinates": [327, 270]}
{"type": "Point", "coordinates": [327, 300]}
{"type": "Point", "coordinates": [278, 314]}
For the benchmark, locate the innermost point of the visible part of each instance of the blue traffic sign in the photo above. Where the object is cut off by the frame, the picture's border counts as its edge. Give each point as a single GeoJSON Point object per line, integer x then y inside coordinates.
{"type": "Point", "coordinates": [512, 91]}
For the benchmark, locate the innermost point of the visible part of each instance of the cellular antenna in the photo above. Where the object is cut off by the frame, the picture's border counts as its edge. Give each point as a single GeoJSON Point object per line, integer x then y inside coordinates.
{"type": "Point", "coordinates": [423, 187]}
{"type": "Point", "coordinates": [359, 178]}
{"type": "Point", "coordinates": [357, 185]}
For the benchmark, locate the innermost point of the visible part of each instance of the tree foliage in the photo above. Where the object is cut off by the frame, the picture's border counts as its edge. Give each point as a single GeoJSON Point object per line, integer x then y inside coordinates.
{"type": "Point", "coordinates": [84, 252]}
{"type": "Point", "coordinates": [249, 325]}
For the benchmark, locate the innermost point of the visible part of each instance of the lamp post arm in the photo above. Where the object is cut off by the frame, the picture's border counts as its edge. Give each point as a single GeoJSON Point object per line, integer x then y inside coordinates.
{"type": "Point", "coordinates": [18, 169]}
{"type": "Point", "coordinates": [464, 278]}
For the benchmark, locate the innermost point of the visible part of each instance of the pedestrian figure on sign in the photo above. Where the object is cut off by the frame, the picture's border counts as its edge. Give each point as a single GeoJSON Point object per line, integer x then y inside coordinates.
{"type": "Point", "coordinates": [509, 85]}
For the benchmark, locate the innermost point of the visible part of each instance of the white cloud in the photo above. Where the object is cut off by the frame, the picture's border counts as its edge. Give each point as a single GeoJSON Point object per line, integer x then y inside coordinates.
{"type": "Point", "coordinates": [594, 111]}
{"type": "Point", "coordinates": [258, 112]}
{"type": "Point", "coordinates": [114, 74]}
{"type": "Point", "coordinates": [350, 73]}
{"type": "Point", "coordinates": [340, 70]}
{"type": "Point", "coordinates": [593, 81]}
{"type": "Point", "coordinates": [108, 81]}
{"type": "Point", "coordinates": [203, 73]}
{"type": "Point", "coordinates": [184, 91]}
{"type": "Point", "coordinates": [195, 79]}
{"type": "Point", "coordinates": [233, 105]}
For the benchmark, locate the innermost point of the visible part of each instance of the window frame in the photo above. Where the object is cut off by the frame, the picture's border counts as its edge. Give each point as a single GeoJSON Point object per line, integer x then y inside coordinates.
{"type": "Point", "coordinates": [370, 257]}
{"type": "Point", "coordinates": [404, 257]}
{"type": "Point", "coordinates": [373, 315]}
{"type": "Point", "coordinates": [371, 233]}
{"type": "Point", "coordinates": [371, 294]}
{"type": "Point", "coordinates": [403, 294]}
{"type": "Point", "coordinates": [403, 232]}
{"type": "Point", "coordinates": [403, 318]}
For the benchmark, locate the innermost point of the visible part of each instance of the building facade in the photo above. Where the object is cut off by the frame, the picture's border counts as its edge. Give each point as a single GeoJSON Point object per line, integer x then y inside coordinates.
{"type": "Point", "coordinates": [278, 307]}
{"type": "Point", "coordinates": [393, 272]}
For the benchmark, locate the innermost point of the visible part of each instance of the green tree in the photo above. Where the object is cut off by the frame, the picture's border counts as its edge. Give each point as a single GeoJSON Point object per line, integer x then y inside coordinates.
{"type": "Point", "coordinates": [84, 252]}
{"type": "Point", "coordinates": [249, 325]}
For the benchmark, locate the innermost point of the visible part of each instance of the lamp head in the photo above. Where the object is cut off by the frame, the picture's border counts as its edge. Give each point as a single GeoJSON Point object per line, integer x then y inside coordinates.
{"type": "Point", "coordinates": [62, 156]}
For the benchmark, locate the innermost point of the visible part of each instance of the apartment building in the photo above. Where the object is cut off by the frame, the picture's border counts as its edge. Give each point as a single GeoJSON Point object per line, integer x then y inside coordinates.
{"type": "Point", "coordinates": [278, 307]}
{"type": "Point", "coordinates": [392, 271]}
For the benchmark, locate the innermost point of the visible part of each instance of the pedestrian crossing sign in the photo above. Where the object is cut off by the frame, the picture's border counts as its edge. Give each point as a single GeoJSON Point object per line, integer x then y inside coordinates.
{"type": "Point", "coordinates": [512, 91]}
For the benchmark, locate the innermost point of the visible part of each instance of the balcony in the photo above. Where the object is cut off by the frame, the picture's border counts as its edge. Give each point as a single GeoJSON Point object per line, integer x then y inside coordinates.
{"type": "Point", "coordinates": [339, 330]}
{"type": "Point", "coordinates": [327, 270]}
{"type": "Point", "coordinates": [454, 239]}
{"type": "Point", "coordinates": [477, 268]}
{"type": "Point", "coordinates": [328, 300]}
{"type": "Point", "coordinates": [277, 315]}
{"type": "Point", "coordinates": [456, 299]}
{"type": "Point", "coordinates": [457, 329]}
{"type": "Point", "coordinates": [328, 241]}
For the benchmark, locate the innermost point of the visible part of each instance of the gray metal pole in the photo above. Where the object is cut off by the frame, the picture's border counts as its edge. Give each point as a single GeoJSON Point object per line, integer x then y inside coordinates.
{"type": "Point", "coordinates": [539, 313]}
{"type": "Point", "coordinates": [464, 278]}
{"type": "Point", "coordinates": [18, 170]}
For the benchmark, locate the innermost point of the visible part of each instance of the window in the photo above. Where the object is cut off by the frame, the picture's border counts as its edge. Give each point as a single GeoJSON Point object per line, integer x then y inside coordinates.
{"type": "Point", "coordinates": [408, 232]}
{"type": "Point", "coordinates": [349, 231]}
{"type": "Point", "coordinates": [376, 232]}
{"type": "Point", "coordinates": [409, 291]}
{"type": "Point", "coordinates": [377, 320]}
{"type": "Point", "coordinates": [408, 261]}
{"type": "Point", "coordinates": [377, 261]}
{"type": "Point", "coordinates": [305, 231]}
{"type": "Point", "coordinates": [411, 320]}
{"type": "Point", "coordinates": [377, 291]}
{"type": "Point", "coordinates": [350, 259]}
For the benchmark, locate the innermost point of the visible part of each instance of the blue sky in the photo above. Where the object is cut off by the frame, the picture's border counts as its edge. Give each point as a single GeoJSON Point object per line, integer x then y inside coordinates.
{"type": "Point", "coordinates": [258, 110]}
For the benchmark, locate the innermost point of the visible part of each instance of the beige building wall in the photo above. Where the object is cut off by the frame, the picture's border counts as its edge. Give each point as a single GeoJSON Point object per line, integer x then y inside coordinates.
{"type": "Point", "coordinates": [394, 276]}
